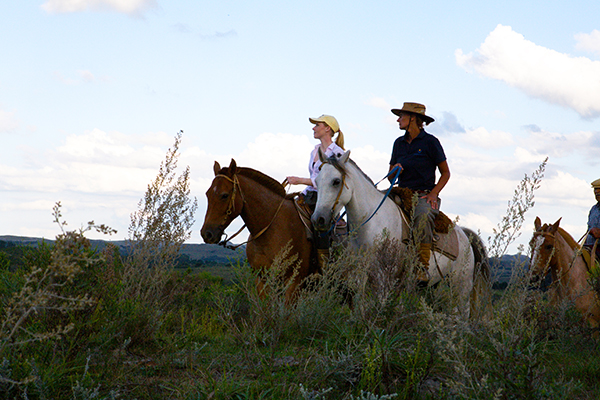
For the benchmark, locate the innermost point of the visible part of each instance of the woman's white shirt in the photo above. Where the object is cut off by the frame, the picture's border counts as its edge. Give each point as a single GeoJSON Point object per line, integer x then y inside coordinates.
{"type": "Point", "coordinates": [313, 165]}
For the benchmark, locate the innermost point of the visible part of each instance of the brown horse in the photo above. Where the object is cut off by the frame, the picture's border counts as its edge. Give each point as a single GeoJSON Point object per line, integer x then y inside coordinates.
{"type": "Point", "coordinates": [554, 250]}
{"type": "Point", "coordinates": [270, 216]}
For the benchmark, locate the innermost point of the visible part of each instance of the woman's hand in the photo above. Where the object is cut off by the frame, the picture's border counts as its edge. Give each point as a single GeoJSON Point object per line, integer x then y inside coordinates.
{"type": "Point", "coordinates": [432, 199]}
{"type": "Point", "coordinates": [595, 232]}
{"type": "Point", "coordinates": [296, 180]}
{"type": "Point", "coordinates": [293, 180]}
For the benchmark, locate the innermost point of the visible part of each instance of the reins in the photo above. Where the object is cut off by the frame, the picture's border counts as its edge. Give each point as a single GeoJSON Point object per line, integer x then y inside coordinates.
{"type": "Point", "coordinates": [392, 183]}
{"type": "Point", "coordinates": [397, 171]}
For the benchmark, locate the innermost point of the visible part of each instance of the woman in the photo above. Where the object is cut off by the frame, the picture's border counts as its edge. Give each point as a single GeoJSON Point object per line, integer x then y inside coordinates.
{"type": "Point", "coordinates": [324, 130]}
{"type": "Point", "coordinates": [418, 154]}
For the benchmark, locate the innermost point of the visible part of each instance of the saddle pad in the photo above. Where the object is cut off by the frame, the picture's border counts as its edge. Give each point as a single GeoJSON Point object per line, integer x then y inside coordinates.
{"type": "Point", "coordinates": [447, 244]}
{"type": "Point", "coordinates": [443, 243]}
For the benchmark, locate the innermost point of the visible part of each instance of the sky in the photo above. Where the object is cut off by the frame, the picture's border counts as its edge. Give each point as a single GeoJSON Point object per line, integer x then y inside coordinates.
{"type": "Point", "coordinates": [93, 92]}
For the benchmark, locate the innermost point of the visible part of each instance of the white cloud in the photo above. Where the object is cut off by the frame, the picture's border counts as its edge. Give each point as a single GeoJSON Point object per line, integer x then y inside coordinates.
{"type": "Point", "coordinates": [86, 76]}
{"type": "Point", "coordinates": [277, 155]}
{"type": "Point", "coordinates": [131, 7]}
{"type": "Point", "coordinates": [558, 145]}
{"type": "Point", "coordinates": [539, 72]}
{"type": "Point", "coordinates": [477, 222]}
{"type": "Point", "coordinates": [565, 190]}
{"type": "Point", "coordinates": [378, 102]}
{"type": "Point", "coordinates": [589, 42]}
{"type": "Point", "coordinates": [483, 138]}
{"type": "Point", "coordinates": [8, 122]}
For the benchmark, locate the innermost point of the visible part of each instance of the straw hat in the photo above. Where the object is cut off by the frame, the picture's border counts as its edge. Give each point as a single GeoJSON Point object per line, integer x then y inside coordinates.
{"type": "Point", "coordinates": [413, 108]}
{"type": "Point", "coordinates": [328, 120]}
{"type": "Point", "coordinates": [596, 184]}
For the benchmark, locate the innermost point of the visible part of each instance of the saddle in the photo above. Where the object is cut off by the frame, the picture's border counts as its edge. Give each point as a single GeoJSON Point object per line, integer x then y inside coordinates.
{"type": "Point", "coordinates": [304, 211]}
{"type": "Point", "coordinates": [587, 257]}
{"type": "Point", "coordinates": [445, 239]}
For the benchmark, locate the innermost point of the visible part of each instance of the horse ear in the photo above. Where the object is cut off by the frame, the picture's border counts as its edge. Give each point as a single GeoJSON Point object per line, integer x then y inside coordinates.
{"type": "Point", "coordinates": [216, 168]}
{"type": "Point", "coordinates": [537, 223]}
{"type": "Point", "coordinates": [554, 227]}
{"type": "Point", "coordinates": [232, 166]}
{"type": "Point", "coordinates": [344, 158]}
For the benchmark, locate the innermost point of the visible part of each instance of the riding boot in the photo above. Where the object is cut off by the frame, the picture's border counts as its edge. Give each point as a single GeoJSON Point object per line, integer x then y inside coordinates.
{"type": "Point", "coordinates": [322, 258]}
{"type": "Point", "coordinates": [422, 269]}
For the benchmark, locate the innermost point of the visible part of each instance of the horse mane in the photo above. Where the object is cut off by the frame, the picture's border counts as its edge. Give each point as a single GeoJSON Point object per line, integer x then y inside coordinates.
{"type": "Point", "coordinates": [335, 162]}
{"type": "Point", "coordinates": [258, 177]}
{"type": "Point", "coordinates": [568, 238]}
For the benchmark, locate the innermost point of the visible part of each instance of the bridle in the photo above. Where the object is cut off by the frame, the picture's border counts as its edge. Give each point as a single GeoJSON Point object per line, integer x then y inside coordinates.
{"type": "Point", "coordinates": [339, 195]}
{"type": "Point", "coordinates": [231, 207]}
{"type": "Point", "coordinates": [555, 250]}
{"type": "Point", "coordinates": [395, 170]}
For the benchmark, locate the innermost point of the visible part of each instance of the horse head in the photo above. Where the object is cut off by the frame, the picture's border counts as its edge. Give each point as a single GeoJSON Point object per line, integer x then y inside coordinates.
{"type": "Point", "coordinates": [542, 249]}
{"type": "Point", "coordinates": [333, 188]}
{"type": "Point", "coordinates": [225, 202]}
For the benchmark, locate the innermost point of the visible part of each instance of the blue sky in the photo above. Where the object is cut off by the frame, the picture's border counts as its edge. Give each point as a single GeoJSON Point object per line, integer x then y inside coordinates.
{"type": "Point", "coordinates": [92, 93]}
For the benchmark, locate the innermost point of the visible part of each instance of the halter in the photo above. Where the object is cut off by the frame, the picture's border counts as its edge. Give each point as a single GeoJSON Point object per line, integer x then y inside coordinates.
{"type": "Point", "coordinates": [231, 206]}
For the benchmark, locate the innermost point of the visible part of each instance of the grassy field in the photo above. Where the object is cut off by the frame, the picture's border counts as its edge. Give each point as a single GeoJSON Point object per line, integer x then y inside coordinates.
{"type": "Point", "coordinates": [74, 326]}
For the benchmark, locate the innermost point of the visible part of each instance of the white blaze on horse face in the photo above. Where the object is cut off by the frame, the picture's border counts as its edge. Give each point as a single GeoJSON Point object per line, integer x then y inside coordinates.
{"type": "Point", "coordinates": [536, 258]}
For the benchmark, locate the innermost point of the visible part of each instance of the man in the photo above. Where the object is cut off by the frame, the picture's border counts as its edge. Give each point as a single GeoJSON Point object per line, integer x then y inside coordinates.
{"type": "Point", "coordinates": [594, 222]}
{"type": "Point", "coordinates": [418, 154]}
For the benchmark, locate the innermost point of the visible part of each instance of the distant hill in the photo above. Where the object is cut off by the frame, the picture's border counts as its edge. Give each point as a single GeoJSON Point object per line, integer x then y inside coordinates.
{"type": "Point", "coordinates": [191, 254]}
{"type": "Point", "coordinates": [503, 267]}
{"type": "Point", "coordinates": [203, 255]}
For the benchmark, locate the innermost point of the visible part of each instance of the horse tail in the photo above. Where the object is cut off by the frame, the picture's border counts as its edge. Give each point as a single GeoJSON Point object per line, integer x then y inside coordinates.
{"type": "Point", "coordinates": [481, 305]}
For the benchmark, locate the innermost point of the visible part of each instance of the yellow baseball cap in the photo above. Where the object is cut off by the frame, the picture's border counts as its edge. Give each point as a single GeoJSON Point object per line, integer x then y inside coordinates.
{"type": "Point", "coordinates": [328, 120]}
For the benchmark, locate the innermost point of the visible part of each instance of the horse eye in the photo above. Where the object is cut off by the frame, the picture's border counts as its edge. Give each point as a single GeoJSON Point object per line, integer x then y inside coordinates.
{"type": "Point", "coordinates": [337, 181]}
{"type": "Point", "coordinates": [548, 247]}
{"type": "Point", "coordinates": [224, 196]}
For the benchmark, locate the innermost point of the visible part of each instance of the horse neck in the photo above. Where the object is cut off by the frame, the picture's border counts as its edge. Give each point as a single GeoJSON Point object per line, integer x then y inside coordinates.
{"type": "Point", "coordinates": [364, 202]}
{"type": "Point", "coordinates": [365, 197]}
{"type": "Point", "coordinates": [260, 204]}
{"type": "Point", "coordinates": [568, 265]}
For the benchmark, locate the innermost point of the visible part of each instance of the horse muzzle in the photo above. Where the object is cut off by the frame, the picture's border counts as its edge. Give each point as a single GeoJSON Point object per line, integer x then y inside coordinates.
{"type": "Point", "coordinates": [321, 221]}
{"type": "Point", "coordinates": [211, 235]}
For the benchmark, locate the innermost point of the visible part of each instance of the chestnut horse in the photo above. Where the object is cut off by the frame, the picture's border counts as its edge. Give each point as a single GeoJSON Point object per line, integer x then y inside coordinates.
{"type": "Point", "coordinates": [554, 250]}
{"type": "Point", "coordinates": [270, 216]}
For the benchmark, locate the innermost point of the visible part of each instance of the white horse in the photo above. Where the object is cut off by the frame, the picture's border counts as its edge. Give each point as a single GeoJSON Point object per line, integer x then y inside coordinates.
{"type": "Point", "coordinates": [341, 183]}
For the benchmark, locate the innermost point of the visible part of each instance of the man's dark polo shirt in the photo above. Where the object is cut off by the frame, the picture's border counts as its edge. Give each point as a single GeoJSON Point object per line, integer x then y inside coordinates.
{"type": "Point", "coordinates": [419, 160]}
